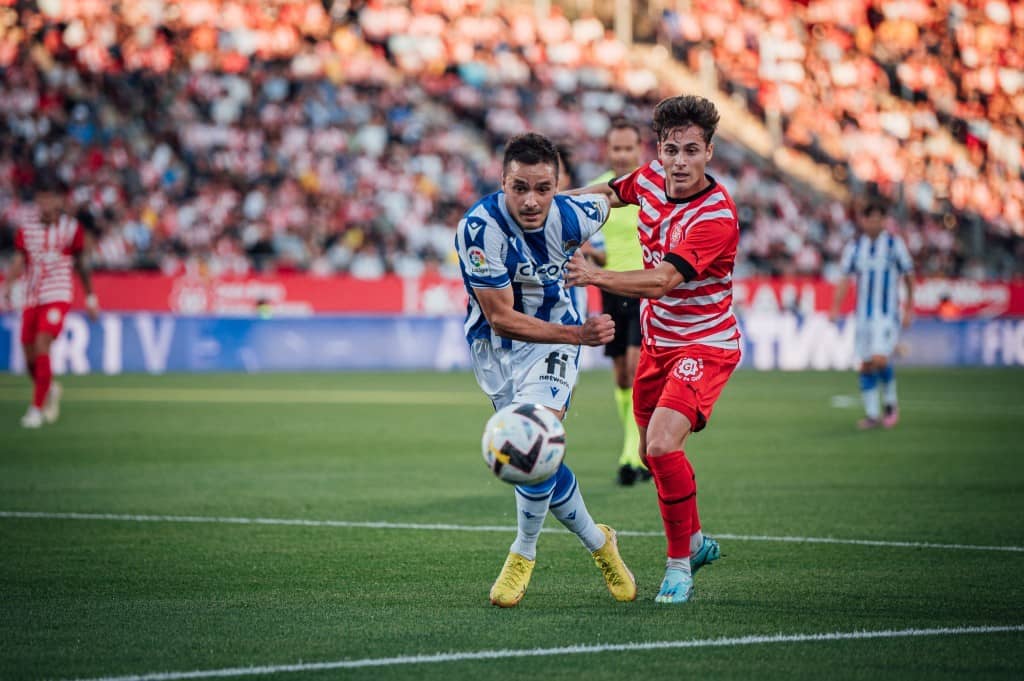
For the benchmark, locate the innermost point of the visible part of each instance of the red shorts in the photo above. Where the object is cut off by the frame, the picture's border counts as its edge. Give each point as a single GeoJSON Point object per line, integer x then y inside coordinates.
{"type": "Point", "coordinates": [47, 318]}
{"type": "Point", "coordinates": [687, 379]}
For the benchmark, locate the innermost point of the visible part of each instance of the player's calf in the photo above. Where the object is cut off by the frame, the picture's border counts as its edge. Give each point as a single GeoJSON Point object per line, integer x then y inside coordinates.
{"type": "Point", "coordinates": [51, 407]}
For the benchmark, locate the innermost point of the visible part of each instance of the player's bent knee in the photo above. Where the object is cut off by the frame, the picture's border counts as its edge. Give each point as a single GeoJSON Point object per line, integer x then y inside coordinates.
{"type": "Point", "coordinates": [42, 344]}
{"type": "Point", "coordinates": [659, 446]}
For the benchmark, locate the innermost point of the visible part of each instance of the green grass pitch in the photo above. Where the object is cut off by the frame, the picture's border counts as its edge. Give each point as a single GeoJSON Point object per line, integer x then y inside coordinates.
{"type": "Point", "coordinates": [94, 597]}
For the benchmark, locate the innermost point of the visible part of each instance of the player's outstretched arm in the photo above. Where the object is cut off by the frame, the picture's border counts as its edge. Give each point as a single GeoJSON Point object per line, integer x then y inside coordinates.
{"type": "Point", "coordinates": [602, 188]}
{"type": "Point", "coordinates": [841, 288]}
{"type": "Point", "coordinates": [598, 256]}
{"type": "Point", "coordinates": [908, 303]}
{"type": "Point", "coordinates": [92, 304]}
{"type": "Point", "coordinates": [652, 283]}
{"type": "Point", "coordinates": [14, 273]}
{"type": "Point", "coordinates": [507, 322]}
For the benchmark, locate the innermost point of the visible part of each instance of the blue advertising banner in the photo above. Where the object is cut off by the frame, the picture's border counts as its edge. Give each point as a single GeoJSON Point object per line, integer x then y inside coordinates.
{"type": "Point", "coordinates": [157, 343]}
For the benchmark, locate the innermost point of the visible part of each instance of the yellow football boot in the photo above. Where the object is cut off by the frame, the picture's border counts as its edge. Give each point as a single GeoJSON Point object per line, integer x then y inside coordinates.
{"type": "Point", "coordinates": [617, 576]}
{"type": "Point", "coordinates": [512, 581]}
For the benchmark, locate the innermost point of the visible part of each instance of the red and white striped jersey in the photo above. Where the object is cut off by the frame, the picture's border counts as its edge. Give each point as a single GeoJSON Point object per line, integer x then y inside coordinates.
{"type": "Point", "coordinates": [48, 251]}
{"type": "Point", "coordinates": [703, 230]}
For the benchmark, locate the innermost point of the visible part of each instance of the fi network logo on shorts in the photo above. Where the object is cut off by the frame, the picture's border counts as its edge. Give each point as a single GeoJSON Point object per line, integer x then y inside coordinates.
{"type": "Point", "coordinates": [689, 369]}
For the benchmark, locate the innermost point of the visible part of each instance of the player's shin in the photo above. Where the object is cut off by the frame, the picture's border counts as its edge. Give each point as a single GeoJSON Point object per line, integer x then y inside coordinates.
{"type": "Point", "coordinates": [630, 455]}
{"type": "Point", "coordinates": [43, 377]}
{"type": "Point", "coordinates": [631, 434]}
{"type": "Point", "coordinates": [531, 508]}
{"type": "Point", "coordinates": [887, 376]}
{"type": "Point", "coordinates": [869, 393]}
{"type": "Point", "coordinates": [677, 498]}
{"type": "Point", "coordinates": [568, 506]}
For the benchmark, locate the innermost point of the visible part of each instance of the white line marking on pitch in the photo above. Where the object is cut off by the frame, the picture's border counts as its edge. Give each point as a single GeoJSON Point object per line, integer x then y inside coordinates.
{"type": "Point", "coordinates": [564, 650]}
{"type": "Point", "coordinates": [382, 525]}
{"type": "Point", "coordinates": [260, 396]}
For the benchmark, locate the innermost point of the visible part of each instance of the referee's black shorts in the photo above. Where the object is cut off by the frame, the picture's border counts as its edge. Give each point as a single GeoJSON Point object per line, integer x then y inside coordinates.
{"type": "Point", "coordinates": [626, 313]}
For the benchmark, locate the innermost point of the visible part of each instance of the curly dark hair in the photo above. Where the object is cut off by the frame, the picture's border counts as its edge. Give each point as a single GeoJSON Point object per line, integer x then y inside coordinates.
{"type": "Point", "coordinates": [683, 111]}
{"type": "Point", "coordinates": [529, 149]}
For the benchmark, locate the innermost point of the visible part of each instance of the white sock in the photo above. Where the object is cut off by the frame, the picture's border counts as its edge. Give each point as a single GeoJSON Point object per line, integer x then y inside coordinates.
{"type": "Point", "coordinates": [870, 398]}
{"type": "Point", "coordinates": [678, 564]}
{"type": "Point", "coordinates": [531, 509]}
{"type": "Point", "coordinates": [568, 506]}
{"type": "Point", "coordinates": [889, 393]}
{"type": "Point", "coordinates": [696, 541]}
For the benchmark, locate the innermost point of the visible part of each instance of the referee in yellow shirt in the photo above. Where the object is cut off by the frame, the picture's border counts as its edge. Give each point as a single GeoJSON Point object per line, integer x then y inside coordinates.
{"type": "Point", "coordinates": [622, 247]}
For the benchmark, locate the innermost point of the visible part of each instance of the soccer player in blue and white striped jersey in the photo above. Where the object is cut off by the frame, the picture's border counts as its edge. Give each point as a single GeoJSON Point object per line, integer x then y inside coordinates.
{"type": "Point", "coordinates": [879, 263]}
{"type": "Point", "coordinates": [525, 332]}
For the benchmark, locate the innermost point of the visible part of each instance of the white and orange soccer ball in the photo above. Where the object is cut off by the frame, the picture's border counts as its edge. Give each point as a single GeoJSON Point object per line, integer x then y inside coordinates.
{"type": "Point", "coordinates": [523, 444]}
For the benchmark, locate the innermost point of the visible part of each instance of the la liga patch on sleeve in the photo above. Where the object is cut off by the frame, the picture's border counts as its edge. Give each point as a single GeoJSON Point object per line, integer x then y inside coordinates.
{"type": "Point", "coordinates": [477, 260]}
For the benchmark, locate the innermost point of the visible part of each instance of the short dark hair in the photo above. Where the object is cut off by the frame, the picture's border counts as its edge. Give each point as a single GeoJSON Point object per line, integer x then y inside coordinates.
{"type": "Point", "coordinates": [874, 205]}
{"type": "Point", "coordinates": [530, 149]}
{"type": "Point", "coordinates": [683, 111]}
{"type": "Point", "coordinates": [620, 123]}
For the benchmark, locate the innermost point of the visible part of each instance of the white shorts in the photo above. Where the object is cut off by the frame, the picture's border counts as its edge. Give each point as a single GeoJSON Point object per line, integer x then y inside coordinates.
{"type": "Point", "coordinates": [579, 293]}
{"type": "Point", "coordinates": [538, 373]}
{"type": "Point", "coordinates": [876, 337]}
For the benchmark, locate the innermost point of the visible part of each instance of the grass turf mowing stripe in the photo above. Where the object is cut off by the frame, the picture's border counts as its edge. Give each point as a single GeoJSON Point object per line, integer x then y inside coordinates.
{"type": "Point", "coordinates": [564, 650]}
{"type": "Point", "coordinates": [384, 525]}
{"type": "Point", "coordinates": [255, 396]}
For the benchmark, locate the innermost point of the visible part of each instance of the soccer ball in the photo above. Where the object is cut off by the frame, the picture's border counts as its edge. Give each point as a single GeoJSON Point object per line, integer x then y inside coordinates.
{"type": "Point", "coordinates": [523, 444]}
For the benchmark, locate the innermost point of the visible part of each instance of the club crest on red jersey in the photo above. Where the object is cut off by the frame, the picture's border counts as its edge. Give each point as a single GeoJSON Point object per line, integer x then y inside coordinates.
{"type": "Point", "coordinates": [675, 236]}
{"type": "Point", "coordinates": [689, 369]}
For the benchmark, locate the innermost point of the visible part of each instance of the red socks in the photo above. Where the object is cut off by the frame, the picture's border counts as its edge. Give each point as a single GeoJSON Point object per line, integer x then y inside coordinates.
{"type": "Point", "coordinates": [677, 498]}
{"type": "Point", "coordinates": [43, 377]}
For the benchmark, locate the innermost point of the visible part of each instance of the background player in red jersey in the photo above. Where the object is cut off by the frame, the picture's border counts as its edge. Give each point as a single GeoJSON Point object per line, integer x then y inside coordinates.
{"type": "Point", "coordinates": [47, 247]}
{"type": "Point", "coordinates": [689, 232]}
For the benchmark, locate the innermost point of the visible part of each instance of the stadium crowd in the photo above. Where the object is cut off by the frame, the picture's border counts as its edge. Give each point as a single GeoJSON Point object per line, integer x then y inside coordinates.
{"type": "Point", "coordinates": [923, 99]}
{"type": "Point", "coordinates": [228, 136]}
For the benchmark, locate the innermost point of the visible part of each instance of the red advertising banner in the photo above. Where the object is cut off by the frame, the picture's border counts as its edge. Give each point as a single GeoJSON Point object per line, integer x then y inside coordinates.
{"type": "Point", "coordinates": [301, 295]}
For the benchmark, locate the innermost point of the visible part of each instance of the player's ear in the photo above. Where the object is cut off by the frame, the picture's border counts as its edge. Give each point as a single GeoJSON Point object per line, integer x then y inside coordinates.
{"type": "Point", "coordinates": [710, 151]}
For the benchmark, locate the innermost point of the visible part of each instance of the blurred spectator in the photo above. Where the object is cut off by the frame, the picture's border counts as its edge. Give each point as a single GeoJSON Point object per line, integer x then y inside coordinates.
{"type": "Point", "coordinates": [922, 100]}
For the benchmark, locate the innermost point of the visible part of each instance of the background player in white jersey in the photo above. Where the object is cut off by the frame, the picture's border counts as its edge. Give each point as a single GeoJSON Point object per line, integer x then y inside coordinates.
{"type": "Point", "coordinates": [879, 261]}
{"type": "Point", "coordinates": [48, 245]}
{"type": "Point", "coordinates": [525, 335]}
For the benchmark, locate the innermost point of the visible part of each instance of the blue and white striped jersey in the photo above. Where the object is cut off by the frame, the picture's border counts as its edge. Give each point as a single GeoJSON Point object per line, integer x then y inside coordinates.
{"type": "Point", "coordinates": [495, 252]}
{"type": "Point", "coordinates": [878, 264]}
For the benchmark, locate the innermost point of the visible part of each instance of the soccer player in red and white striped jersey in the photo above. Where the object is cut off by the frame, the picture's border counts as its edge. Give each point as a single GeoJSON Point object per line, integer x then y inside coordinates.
{"type": "Point", "coordinates": [48, 245]}
{"type": "Point", "coordinates": [688, 234]}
